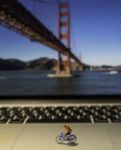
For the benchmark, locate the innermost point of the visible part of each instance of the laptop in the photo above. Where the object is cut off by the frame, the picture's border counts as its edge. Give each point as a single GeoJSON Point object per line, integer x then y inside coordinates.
{"type": "Point", "coordinates": [26, 131]}
{"type": "Point", "coordinates": [66, 113]}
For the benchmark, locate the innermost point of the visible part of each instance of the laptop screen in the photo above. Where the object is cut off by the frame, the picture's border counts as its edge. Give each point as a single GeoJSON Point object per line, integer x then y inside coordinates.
{"type": "Point", "coordinates": [50, 47]}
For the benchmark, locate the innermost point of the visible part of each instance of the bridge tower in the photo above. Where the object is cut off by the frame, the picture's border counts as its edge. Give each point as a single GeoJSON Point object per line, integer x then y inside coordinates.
{"type": "Point", "coordinates": [64, 35]}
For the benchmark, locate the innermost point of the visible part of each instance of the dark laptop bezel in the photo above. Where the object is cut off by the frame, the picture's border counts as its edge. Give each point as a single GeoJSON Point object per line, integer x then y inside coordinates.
{"type": "Point", "coordinates": [66, 98]}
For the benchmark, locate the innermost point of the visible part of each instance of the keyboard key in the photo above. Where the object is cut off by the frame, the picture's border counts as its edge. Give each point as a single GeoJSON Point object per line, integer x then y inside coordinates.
{"type": "Point", "coordinates": [115, 118]}
{"type": "Point", "coordinates": [3, 119]}
{"type": "Point", "coordinates": [100, 119]}
{"type": "Point", "coordinates": [16, 119]}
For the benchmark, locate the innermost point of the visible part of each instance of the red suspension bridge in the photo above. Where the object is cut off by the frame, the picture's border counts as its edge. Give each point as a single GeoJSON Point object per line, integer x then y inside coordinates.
{"type": "Point", "coordinates": [15, 16]}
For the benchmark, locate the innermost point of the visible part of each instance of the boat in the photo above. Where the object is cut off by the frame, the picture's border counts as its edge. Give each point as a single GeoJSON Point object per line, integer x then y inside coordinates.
{"type": "Point", "coordinates": [113, 72]}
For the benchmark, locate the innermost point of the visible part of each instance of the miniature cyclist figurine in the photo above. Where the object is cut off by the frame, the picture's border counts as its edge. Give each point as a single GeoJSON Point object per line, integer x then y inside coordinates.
{"type": "Point", "coordinates": [66, 135]}
{"type": "Point", "coordinates": [67, 130]}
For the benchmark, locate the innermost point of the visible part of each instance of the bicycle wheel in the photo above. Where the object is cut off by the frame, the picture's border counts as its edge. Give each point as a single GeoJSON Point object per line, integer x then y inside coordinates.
{"type": "Point", "coordinates": [59, 139]}
{"type": "Point", "coordinates": [72, 139]}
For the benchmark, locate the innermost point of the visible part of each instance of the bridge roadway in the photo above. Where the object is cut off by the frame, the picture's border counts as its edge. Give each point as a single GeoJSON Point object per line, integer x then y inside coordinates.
{"type": "Point", "coordinates": [16, 17]}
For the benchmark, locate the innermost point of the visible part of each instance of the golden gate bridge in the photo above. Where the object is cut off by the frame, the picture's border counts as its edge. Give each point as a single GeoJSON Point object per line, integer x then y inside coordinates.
{"type": "Point", "coordinates": [15, 16]}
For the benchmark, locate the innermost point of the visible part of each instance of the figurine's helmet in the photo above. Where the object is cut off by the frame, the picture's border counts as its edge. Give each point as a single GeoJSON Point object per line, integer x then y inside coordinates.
{"type": "Point", "coordinates": [65, 126]}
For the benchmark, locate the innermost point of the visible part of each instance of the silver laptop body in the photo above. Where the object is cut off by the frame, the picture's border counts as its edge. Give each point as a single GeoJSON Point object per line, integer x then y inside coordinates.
{"type": "Point", "coordinates": [36, 136]}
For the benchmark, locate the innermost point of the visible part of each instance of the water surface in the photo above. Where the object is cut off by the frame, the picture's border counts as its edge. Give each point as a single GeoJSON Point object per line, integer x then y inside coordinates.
{"type": "Point", "coordinates": [37, 83]}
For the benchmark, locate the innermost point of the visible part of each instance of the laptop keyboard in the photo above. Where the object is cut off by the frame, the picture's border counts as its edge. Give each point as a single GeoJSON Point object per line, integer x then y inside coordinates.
{"type": "Point", "coordinates": [61, 114]}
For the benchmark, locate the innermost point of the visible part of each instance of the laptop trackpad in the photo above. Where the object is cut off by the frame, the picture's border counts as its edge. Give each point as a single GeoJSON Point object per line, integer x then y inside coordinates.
{"type": "Point", "coordinates": [8, 135]}
{"type": "Point", "coordinates": [36, 137]}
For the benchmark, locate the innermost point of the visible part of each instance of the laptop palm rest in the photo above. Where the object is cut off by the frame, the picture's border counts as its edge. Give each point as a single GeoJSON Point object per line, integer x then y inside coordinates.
{"type": "Point", "coordinates": [43, 136]}
{"type": "Point", "coordinates": [8, 135]}
{"type": "Point", "coordinates": [115, 133]}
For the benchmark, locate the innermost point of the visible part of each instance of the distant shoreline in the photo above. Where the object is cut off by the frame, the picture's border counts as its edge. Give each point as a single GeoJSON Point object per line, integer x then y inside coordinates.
{"type": "Point", "coordinates": [46, 64]}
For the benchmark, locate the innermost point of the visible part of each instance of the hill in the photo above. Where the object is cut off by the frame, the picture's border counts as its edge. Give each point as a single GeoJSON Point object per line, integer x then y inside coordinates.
{"type": "Point", "coordinates": [43, 63]}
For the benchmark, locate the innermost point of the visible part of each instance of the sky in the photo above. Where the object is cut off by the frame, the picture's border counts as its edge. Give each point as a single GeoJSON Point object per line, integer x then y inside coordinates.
{"type": "Point", "coordinates": [95, 32]}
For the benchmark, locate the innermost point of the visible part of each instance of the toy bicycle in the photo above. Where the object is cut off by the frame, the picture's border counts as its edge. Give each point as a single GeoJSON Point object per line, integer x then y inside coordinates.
{"type": "Point", "coordinates": [71, 138]}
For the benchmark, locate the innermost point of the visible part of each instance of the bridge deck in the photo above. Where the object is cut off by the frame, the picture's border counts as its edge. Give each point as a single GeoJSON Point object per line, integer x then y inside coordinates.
{"type": "Point", "coordinates": [15, 16]}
